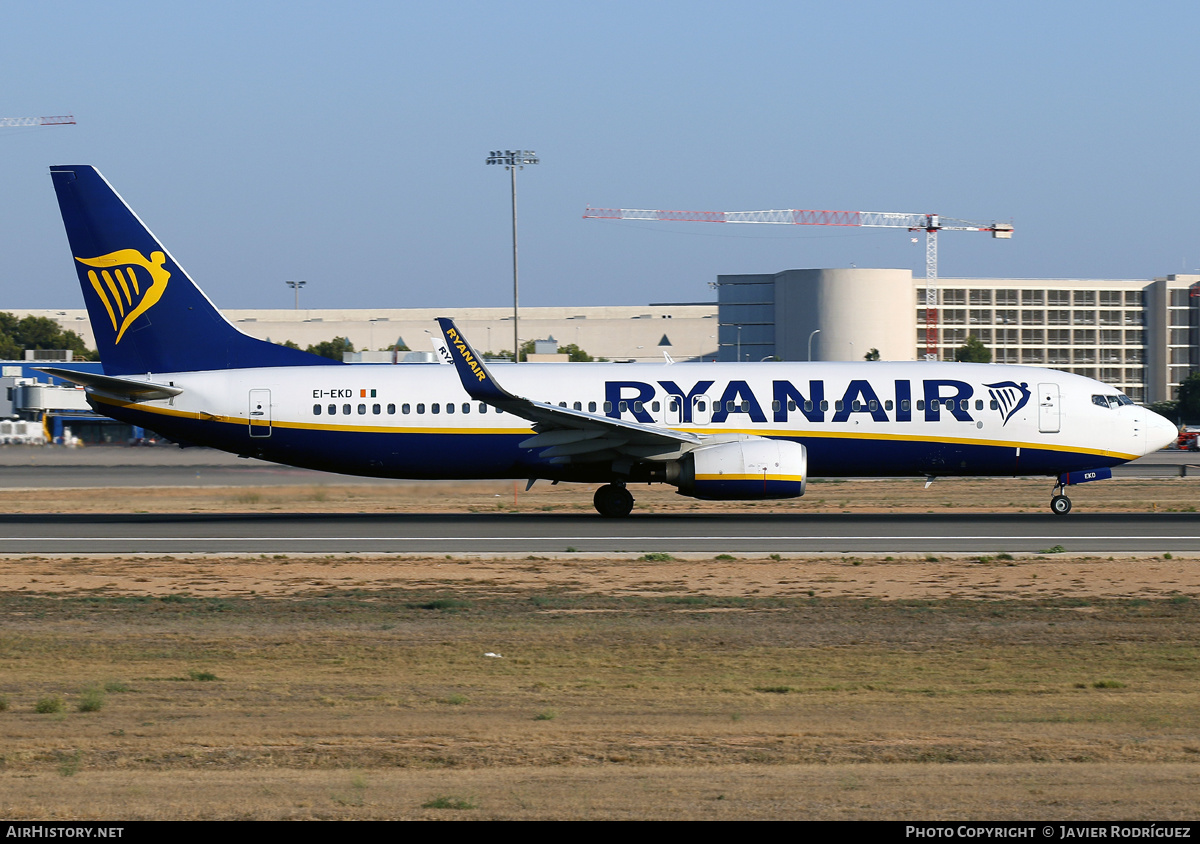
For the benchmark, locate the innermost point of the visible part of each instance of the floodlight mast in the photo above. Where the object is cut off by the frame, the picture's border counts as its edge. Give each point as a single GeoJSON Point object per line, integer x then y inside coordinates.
{"type": "Point", "coordinates": [514, 160]}
{"type": "Point", "coordinates": [931, 224]}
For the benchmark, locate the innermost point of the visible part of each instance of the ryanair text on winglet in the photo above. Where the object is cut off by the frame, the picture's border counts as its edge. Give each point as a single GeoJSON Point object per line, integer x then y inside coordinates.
{"type": "Point", "coordinates": [467, 357]}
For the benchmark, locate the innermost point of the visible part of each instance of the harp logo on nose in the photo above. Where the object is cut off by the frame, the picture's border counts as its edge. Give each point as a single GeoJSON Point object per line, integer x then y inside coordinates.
{"type": "Point", "coordinates": [128, 284]}
{"type": "Point", "coordinates": [1009, 397]}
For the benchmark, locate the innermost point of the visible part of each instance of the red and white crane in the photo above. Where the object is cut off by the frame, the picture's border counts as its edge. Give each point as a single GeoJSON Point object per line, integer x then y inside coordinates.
{"type": "Point", "coordinates": [931, 224]}
{"type": "Point", "coordinates": [60, 120]}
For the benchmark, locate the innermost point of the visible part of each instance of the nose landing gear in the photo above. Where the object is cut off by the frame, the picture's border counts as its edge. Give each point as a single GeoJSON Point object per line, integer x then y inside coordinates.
{"type": "Point", "coordinates": [1060, 505]}
{"type": "Point", "coordinates": [613, 501]}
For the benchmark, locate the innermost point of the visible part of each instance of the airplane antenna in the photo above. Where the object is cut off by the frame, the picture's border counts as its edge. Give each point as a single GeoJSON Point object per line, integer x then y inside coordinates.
{"type": "Point", "coordinates": [931, 224]}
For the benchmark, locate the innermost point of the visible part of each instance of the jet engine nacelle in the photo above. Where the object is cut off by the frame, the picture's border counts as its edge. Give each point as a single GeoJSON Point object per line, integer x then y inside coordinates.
{"type": "Point", "coordinates": [756, 468]}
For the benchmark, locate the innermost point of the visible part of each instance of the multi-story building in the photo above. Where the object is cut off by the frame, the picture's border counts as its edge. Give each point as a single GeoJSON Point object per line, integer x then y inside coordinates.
{"type": "Point", "coordinates": [1140, 335]}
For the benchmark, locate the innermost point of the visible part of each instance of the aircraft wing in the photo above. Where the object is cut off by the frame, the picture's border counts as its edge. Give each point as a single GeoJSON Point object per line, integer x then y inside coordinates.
{"type": "Point", "coordinates": [124, 389]}
{"type": "Point", "coordinates": [568, 435]}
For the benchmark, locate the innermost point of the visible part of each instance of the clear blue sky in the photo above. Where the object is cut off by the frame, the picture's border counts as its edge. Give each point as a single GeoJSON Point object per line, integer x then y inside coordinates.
{"type": "Point", "coordinates": [344, 143]}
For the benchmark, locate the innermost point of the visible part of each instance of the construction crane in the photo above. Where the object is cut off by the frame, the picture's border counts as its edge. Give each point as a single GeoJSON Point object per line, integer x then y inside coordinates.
{"type": "Point", "coordinates": [931, 224]}
{"type": "Point", "coordinates": [60, 120]}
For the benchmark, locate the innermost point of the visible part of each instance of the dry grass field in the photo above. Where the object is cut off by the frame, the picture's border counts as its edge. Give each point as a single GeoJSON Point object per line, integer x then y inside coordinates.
{"type": "Point", "coordinates": [484, 687]}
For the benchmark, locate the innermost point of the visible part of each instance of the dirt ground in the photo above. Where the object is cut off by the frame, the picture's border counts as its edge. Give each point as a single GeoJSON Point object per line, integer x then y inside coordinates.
{"type": "Point", "coordinates": [573, 686]}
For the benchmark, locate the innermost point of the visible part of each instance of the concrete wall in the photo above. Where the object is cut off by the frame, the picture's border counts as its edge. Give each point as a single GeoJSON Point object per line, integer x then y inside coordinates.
{"type": "Point", "coordinates": [624, 333]}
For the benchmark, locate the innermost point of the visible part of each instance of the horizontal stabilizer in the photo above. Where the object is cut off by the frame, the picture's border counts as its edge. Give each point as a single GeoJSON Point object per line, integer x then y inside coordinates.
{"type": "Point", "coordinates": [120, 388]}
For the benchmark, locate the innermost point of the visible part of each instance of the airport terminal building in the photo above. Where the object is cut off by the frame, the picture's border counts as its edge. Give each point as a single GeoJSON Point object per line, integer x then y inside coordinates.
{"type": "Point", "coordinates": [1140, 335]}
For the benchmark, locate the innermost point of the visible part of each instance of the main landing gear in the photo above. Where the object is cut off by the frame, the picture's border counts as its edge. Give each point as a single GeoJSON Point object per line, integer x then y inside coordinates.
{"type": "Point", "coordinates": [1060, 505]}
{"type": "Point", "coordinates": [613, 501]}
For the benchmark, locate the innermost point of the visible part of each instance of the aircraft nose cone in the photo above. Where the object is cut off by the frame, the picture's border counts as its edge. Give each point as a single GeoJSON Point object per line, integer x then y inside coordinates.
{"type": "Point", "coordinates": [1160, 431]}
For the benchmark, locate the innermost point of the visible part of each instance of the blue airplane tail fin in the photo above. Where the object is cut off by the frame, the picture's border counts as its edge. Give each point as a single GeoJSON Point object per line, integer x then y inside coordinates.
{"type": "Point", "coordinates": [146, 313]}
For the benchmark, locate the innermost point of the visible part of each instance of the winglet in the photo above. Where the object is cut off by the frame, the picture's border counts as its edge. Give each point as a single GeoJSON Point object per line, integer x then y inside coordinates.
{"type": "Point", "coordinates": [476, 380]}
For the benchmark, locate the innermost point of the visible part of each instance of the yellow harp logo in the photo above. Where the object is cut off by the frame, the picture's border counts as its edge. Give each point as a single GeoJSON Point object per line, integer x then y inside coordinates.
{"type": "Point", "coordinates": [128, 284]}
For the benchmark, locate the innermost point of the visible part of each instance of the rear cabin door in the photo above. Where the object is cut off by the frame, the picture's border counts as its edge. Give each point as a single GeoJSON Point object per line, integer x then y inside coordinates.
{"type": "Point", "coordinates": [260, 413]}
{"type": "Point", "coordinates": [1049, 412]}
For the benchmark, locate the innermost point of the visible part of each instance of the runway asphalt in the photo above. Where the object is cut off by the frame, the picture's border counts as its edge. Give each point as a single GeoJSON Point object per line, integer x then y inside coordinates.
{"type": "Point", "coordinates": [560, 533]}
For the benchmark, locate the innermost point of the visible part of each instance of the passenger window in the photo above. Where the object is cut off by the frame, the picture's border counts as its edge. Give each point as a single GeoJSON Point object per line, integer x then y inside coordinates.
{"type": "Point", "coordinates": [346, 409]}
{"type": "Point", "coordinates": [874, 405]}
{"type": "Point", "coordinates": [807, 406]}
{"type": "Point", "coordinates": [405, 408]}
{"type": "Point", "coordinates": [623, 406]}
{"type": "Point", "coordinates": [993, 405]}
{"type": "Point", "coordinates": [963, 404]}
{"type": "Point", "coordinates": [608, 406]}
{"type": "Point", "coordinates": [791, 404]}
{"type": "Point", "coordinates": [839, 406]}
{"type": "Point", "coordinates": [591, 407]}
{"type": "Point", "coordinates": [564, 404]}
{"type": "Point", "coordinates": [979, 404]}
{"type": "Point", "coordinates": [466, 407]}
{"type": "Point", "coordinates": [700, 406]}
{"type": "Point", "coordinates": [655, 406]}
{"type": "Point", "coordinates": [376, 409]}
{"type": "Point", "coordinates": [449, 407]}
{"type": "Point", "coordinates": [482, 407]}
{"type": "Point", "coordinates": [775, 405]}
{"type": "Point", "coordinates": [391, 410]}
{"type": "Point", "coordinates": [824, 406]}
{"type": "Point", "coordinates": [420, 408]}
{"type": "Point", "coordinates": [887, 405]}
{"type": "Point", "coordinates": [637, 407]}
{"type": "Point", "coordinates": [435, 408]}
{"type": "Point", "coordinates": [333, 410]}
{"type": "Point", "coordinates": [316, 410]}
{"type": "Point", "coordinates": [905, 406]}
{"type": "Point", "coordinates": [856, 405]}
{"type": "Point", "coordinates": [921, 404]}
{"type": "Point", "coordinates": [362, 410]}
{"type": "Point", "coordinates": [578, 406]}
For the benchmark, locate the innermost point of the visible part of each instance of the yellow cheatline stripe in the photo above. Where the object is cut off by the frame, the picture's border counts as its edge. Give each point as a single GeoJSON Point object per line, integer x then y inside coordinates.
{"type": "Point", "coordinates": [309, 426]}
{"type": "Point", "coordinates": [758, 477]}
{"type": "Point", "coordinates": [852, 435]}
{"type": "Point", "coordinates": [773, 434]}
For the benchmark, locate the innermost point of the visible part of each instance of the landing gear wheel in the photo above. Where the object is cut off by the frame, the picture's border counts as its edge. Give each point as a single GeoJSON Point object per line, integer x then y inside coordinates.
{"type": "Point", "coordinates": [613, 501]}
{"type": "Point", "coordinates": [1060, 505]}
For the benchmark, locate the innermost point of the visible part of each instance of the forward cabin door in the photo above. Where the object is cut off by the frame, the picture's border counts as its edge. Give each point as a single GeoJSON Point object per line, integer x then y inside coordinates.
{"type": "Point", "coordinates": [260, 413]}
{"type": "Point", "coordinates": [1049, 411]}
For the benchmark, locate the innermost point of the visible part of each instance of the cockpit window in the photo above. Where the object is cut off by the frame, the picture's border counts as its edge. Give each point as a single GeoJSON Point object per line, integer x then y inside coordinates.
{"type": "Point", "coordinates": [1112, 401]}
{"type": "Point", "coordinates": [1100, 400]}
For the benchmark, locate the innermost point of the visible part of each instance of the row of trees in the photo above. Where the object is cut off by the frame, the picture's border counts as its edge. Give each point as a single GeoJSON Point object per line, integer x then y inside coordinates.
{"type": "Point", "coordinates": [572, 351]}
{"type": "Point", "coordinates": [972, 351]}
{"type": "Point", "coordinates": [19, 334]}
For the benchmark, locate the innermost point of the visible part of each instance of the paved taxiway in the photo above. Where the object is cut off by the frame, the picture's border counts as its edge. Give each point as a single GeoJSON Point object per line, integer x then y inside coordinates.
{"type": "Point", "coordinates": [556, 533]}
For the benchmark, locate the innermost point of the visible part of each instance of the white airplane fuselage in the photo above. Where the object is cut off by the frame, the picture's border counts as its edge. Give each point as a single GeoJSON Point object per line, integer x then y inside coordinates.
{"type": "Point", "coordinates": [855, 419]}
